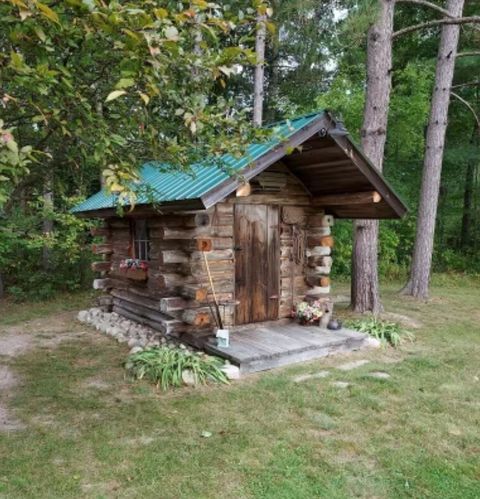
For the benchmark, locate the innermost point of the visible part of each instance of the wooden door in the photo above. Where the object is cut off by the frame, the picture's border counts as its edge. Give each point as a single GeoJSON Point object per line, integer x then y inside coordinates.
{"type": "Point", "coordinates": [257, 263]}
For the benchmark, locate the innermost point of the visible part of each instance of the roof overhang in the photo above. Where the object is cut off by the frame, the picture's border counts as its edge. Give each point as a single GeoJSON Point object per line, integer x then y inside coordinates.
{"type": "Point", "coordinates": [334, 171]}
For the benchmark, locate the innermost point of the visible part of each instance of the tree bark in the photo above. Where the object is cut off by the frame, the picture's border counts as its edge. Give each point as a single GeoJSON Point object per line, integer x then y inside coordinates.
{"type": "Point", "coordinates": [258, 92]}
{"type": "Point", "coordinates": [47, 224]}
{"type": "Point", "coordinates": [418, 284]}
{"type": "Point", "coordinates": [465, 234]}
{"type": "Point", "coordinates": [365, 288]}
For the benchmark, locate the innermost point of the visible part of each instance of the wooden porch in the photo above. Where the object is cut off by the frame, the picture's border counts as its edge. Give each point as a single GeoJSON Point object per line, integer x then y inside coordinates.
{"type": "Point", "coordinates": [261, 347]}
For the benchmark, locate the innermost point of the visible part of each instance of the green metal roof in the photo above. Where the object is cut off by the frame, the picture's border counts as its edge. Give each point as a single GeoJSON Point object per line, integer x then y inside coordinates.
{"type": "Point", "coordinates": [164, 187]}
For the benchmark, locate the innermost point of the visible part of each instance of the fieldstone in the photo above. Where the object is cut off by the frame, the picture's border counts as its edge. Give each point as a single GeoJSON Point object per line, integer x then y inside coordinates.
{"type": "Point", "coordinates": [352, 365]}
{"type": "Point", "coordinates": [135, 349]}
{"type": "Point", "coordinates": [133, 342]}
{"type": "Point", "coordinates": [231, 371]}
{"type": "Point", "coordinates": [372, 342]}
{"type": "Point", "coordinates": [188, 377]}
{"type": "Point", "coordinates": [341, 384]}
{"type": "Point", "coordinates": [379, 375]}
{"type": "Point", "coordinates": [122, 339]}
{"type": "Point", "coordinates": [305, 377]}
{"type": "Point", "coordinates": [83, 316]}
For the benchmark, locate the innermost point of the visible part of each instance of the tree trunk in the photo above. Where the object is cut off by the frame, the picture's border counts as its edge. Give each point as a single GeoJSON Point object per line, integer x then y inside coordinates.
{"type": "Point", "coordinates": [2, 287]}
{"type": "Point", "coordinates": [47, 225]}
{"type": "Point", "coordinates": [259, 70]}
{"type": "Point", "coordinates": [365, 292]}
{"type": "Point", "coordinates": [465, 235]}
{"type": "Point", "coordinates": [418, 284]}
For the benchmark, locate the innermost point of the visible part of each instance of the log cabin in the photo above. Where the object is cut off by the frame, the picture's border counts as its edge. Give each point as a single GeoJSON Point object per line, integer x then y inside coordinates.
{"type": "Point", "coordinates": [258, 237]}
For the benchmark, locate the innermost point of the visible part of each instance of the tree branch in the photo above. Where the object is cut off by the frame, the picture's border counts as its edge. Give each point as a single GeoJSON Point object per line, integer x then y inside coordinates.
{"type": "Point", "coordinates": [469, 54]}
{"type": "Point", "coordinates": [437, 22]}
{"type": "Point", "coordinates": [467, 84]}
{"type": "Point", "coordinates": [430, 5]}
{"type": "Point", "coordinates": [463, 101]}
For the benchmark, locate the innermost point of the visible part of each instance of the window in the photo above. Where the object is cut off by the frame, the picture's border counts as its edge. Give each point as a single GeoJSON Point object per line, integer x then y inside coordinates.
{"type": "Point", "coordinates": [141, 240]}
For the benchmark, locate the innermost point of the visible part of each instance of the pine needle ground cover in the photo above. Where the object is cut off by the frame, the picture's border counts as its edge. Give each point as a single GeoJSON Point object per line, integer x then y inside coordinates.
{"type": "Point", "coordinates": [89, 431]}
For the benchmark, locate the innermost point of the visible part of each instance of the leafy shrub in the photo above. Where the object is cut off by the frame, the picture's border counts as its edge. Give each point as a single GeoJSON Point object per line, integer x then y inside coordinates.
{"type": "Point", "coordinates": [384, 331]}
{"type": "Point", "coordinates": [164, 366]}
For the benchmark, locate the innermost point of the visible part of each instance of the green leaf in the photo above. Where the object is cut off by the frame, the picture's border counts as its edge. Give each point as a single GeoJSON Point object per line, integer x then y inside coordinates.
{"type": "Point", "coordinates": [48, 12]}
{"type": "Point", "coordinates": [125, 83]}
{"type": "Point", "coordinates": [115, 95]}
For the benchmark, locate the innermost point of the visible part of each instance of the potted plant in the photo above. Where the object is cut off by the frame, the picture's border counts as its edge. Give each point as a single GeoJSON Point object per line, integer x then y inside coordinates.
{"type": "Point", "coordinates": [134, 269]}
{"type": "Point", "coordinates": [308, 313]}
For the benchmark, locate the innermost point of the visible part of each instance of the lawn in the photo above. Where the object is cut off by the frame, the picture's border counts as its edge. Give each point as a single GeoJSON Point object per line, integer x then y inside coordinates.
{"type": "Point", "coordinates": [89, 432]}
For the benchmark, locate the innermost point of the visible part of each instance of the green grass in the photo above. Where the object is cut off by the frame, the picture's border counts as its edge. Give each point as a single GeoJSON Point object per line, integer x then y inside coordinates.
{"type": "Point", "coordinates": [92, 433]}
{"type": "Point", "coordinates": [12, 312]}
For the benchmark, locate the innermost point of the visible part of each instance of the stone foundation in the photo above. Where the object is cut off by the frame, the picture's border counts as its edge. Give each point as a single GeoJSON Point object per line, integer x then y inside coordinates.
{"type": "Point", "coordinates": [137, 336]}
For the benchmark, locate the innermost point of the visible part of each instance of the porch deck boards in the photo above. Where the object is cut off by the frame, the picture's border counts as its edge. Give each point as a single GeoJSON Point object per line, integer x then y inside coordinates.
{"type": "Point", "coordinates": [264, 347]}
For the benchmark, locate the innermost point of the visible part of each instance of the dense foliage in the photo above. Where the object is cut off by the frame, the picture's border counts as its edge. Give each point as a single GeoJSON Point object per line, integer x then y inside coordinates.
{"type": "Point", "coordinates": [90, 87]}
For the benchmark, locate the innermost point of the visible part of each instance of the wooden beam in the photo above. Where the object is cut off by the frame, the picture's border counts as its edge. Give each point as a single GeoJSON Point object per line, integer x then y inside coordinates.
{"type": "Point", "coordinates": [102, 249]}
{"type": "Point", "coordinates": [103, 266]}
{"type": "Point", "coordinates": [347, 199]}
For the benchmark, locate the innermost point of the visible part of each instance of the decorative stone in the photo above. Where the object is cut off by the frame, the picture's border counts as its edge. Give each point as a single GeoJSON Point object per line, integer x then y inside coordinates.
{"type": "Point", "coordinates": [352, 365]}
{"type": "Point", "coordinates": [305, 377]}
{"type": "Point", "coordinates": [188, 377]}
{"type": "Point", "coordinates": [83, 316]}
{"type": "Point", "coordinates": [135, 349]}
{"type": "Point", "coordinates": [379, 375]}
{"type": "Point", "coordinates": [372, 342]}
{"type": "Point", "coordinates": [341, 384]}
{"type": "Point", "coordinates": [231, 371]}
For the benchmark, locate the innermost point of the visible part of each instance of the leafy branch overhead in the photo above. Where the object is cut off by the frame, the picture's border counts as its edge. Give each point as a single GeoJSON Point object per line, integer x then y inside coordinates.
{"type": "Point", "coordinates": [120, 82]}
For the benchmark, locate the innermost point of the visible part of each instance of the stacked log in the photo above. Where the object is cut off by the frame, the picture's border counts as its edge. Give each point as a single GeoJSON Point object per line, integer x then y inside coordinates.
{"type": "Point", "coordinates": [104, 249]}
{"type": "Point", "coordinates": [319, 261]}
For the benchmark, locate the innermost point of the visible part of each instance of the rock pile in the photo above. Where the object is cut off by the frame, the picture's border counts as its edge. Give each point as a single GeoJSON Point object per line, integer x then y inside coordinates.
{"type": "Point", "coordinates": [137, 337]}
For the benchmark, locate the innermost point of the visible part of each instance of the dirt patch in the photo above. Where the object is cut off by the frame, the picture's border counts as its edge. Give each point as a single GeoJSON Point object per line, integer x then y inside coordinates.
{"type": "Point", "coordinates": [16, 340]}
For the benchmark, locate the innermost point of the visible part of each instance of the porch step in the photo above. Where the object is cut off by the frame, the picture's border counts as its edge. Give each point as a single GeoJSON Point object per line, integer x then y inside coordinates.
{"type": "Point", "coordinates": [261, 348]}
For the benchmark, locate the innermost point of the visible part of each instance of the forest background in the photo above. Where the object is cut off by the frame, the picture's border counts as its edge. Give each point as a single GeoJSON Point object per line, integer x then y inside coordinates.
{"type": "Point", "coordinates": [76, 97]}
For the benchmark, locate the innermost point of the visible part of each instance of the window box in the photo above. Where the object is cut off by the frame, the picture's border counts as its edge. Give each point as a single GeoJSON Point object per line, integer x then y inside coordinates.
{"type": "Point", "coordinates": [136, 274]}
{"type": "Point", "coordinates": [134, 269]}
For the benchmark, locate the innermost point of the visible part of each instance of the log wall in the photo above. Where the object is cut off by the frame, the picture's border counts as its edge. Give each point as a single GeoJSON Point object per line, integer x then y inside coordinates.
{"type": "Point", "coordinates": [175, 298]}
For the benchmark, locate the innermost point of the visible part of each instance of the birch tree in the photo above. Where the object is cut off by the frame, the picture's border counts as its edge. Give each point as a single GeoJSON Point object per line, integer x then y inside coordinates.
{"type": "Point", "coordinates": [258, 90]}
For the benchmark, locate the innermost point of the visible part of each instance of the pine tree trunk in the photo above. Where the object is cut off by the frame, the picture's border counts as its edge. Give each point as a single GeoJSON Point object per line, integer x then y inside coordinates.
{"type": "Point", "coordinates": [465, 234]}
{"type": "Point", "coordinates": [258, 91]}
{"type": "Point", "coordinates": [47, 225]}
{"type": "Point", "coordinates": [432, 166]}
{"type": "Point", "coordinates": [365, 289]}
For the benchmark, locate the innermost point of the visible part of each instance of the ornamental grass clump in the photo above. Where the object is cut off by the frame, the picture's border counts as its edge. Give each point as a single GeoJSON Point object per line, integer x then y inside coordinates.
{"type": "Point", "coordinates": [384, 331]}
{"type": "Point", "coordinates": [168, 366]}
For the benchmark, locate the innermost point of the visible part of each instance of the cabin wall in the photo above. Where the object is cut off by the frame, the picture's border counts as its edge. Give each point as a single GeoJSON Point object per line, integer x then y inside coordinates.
{"type": "Point", "coordinates": [175, 297]}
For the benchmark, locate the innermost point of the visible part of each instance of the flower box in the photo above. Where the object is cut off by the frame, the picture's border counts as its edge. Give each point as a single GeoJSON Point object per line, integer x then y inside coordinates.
{"type": "Point", "coordinates": [136, 274]}
{"type": "Point", "coordinates": [134, 269]}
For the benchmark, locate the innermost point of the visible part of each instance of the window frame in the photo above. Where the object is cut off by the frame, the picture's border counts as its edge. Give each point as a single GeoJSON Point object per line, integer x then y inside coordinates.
{"type": "Point", "coordinates": [140, 247]}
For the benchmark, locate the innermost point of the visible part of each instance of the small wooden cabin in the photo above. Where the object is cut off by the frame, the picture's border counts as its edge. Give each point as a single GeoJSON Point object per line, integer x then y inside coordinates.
{"type": "Point", "coordinates": [266, 231]}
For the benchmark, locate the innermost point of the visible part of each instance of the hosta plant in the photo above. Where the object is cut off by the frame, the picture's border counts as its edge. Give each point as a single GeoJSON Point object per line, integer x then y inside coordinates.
{"type": "Point", "coordinates": [384, 331]}
{"type": "Point", "coordinates": [166, 366]}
